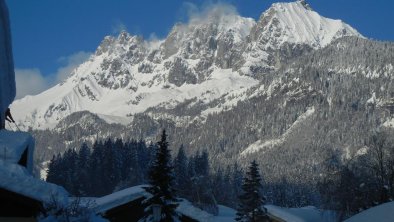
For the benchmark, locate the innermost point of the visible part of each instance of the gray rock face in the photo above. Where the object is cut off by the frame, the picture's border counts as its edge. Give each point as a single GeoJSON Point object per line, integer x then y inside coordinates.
{"type": "Point", "coordinates": [264, 23]}
{"type": "Point", "coordinates": [171, 44]}
{"type": "Point", "coordinates": [191, 42]}
{"type": "Point", "coordinates": [209, 43]}
{"type": "Point", "coordinates": [145, 67]}
{"type": "Point", "coordinates": [228, 53]}
{"type": "Point", "coordinates": [305, 4]}
{"type": "Point", "coordinates": [205, 43]}
{"type": "Point", "coordinates": [105, 45]}
{"type": "Point", "coordinates": [179, 73]}
{"type": "Point", "coordinates": [119, 54]}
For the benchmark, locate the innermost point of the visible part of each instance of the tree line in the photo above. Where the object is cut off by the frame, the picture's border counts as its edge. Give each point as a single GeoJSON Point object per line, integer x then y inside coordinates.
{"type": "Point", "coordinates": [362, 182]}
{"type": "Point", "coordinates": [346, 186]}
{"type": "Point", "coordinates": [161, 185]}
{"type": "Point", "coordinates": [111, 165]}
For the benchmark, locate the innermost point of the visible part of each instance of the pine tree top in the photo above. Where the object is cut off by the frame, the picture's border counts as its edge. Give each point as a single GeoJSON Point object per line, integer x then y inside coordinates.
{"type": "Point", "coordinates": [251, 200]}
{"type": "Point", "coordinates": [161, 181]}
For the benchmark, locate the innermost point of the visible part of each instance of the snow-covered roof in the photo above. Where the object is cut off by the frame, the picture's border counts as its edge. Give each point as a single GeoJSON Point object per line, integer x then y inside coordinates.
{"type": "Point", "coordinates": [113, 200]}
{"type": "Point", "coordinates": [304, 214]}
{"type": "Point", "coordinates": [187, 209]}
{"type": "Point", "coordinates": [119, 198]}
{"type": "Point", "coordinates": [226, 214]}
{"type": "Point", "coordinates": [12, 146]}
{"type": "Point", "coordinates": [381, 213]}
{"type": "Point", "coordinates": [17, 179]}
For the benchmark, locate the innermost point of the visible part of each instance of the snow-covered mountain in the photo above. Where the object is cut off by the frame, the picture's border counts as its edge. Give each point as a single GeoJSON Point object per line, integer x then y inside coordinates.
{"type": "Point", "coordinates": [297, 23]}
{"type": "Point", "coordinates": [288, 91]}
{"type": "Point", "coordinates": [218, 57]}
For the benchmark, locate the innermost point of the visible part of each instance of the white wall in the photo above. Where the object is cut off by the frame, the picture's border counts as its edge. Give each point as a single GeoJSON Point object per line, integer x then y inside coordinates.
{"type": "Point", "coordinates": [7, 75]}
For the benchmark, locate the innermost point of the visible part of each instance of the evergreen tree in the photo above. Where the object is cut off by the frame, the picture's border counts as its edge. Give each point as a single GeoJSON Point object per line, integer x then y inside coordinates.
{"type": "Point", "coordinates": [236, 177]}
{"type": "Point", "coordinates": [161, 179]}
{"type": "Point", "coordinates": [142, 160]}
{"type": "Point", "coordinates": [54, 172]}
{"type": "Point", "coordinates": [126, 160]}
{"type": "Point", "coordinates": [69, 161]}
{"type": "Point", "coordinates": [202, 186]}
{"type": "Point", "coordinates": [220, 187]}
{"type": "Point", "coordinates": [82, 179]}
{"type": "Point", "coordinates": [251, 201]}
{"type": "Point", "coordinates": [182, 179]}
{"type": "Point", "coordinates": [96, 169]}
{"type": "Point", "coordinates": [230, 199]}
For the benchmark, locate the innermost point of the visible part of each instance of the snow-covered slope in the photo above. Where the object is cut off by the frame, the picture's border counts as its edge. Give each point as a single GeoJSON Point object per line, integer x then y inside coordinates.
{"type": "Point", "coordinates": [7, 76]}
{"type": "Point", "coordinates": [269, 144]}
{"type": "Point", "coordinates": [288, 25]}
{"type": "Point", "coordinates": [212, 56]}
{"type": "Point", "coordinates": [381, 213]}
{"type": "Point", "coordinates": [304, 214]}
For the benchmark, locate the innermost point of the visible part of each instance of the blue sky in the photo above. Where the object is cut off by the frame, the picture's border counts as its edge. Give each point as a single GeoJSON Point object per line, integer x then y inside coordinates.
{"type": "Point", "coordinates": [51, 37]}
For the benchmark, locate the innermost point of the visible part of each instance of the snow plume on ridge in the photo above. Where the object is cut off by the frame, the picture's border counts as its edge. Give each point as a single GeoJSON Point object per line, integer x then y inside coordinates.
{"type": "Point", "coordinates": [33, 81]}
{"type": "Point", "coordinates": [118, 27]}
{"type": "Point", "coordinates": [225, 15]}
{"type": "Point", "coordinates": [71, 62]}
{"type": "Point", "coordinates": [208, 12]}
{"type": "Point", "coordinates": [153, 41]}
{"type": "Point", "coordinates": [29, 82]}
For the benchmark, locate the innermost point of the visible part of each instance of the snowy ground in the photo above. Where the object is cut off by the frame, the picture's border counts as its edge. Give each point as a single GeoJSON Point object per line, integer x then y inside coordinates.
{"type": "Point", "coordinates": [381, 213]}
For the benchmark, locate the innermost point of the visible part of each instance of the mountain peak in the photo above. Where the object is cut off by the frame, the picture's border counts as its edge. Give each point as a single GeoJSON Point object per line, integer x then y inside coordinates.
{"type": "Point", "coordinates": [305, 4]}
{"type": "Point", "coordinates": [203, 32]}
{"type": "Point", "coordinates": [296, 22]}
{"type": "Point", "coordinates": [124, 36]}
{"type": "Point", "coordinates": [298, 4]}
